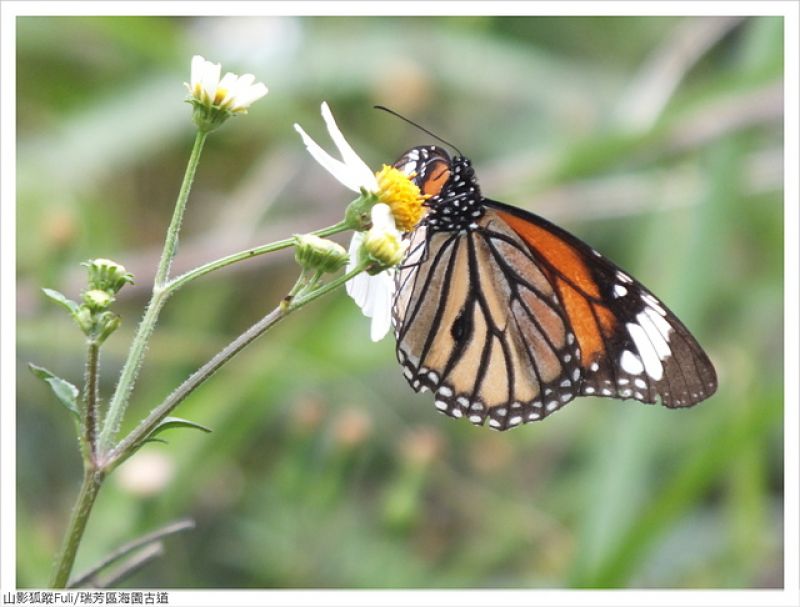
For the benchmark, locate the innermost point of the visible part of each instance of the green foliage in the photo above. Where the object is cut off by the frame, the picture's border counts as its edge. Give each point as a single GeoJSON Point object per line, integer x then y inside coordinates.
{"type": "Point", "coordinates": [324, 469]}
{"type": "Point", "coordinates": [66, 393]}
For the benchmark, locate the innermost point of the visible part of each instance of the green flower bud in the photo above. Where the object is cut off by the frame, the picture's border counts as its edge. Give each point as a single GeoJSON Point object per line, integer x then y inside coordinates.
{"type": "Point", "coordinates": [318, 254]}
{"type": "Point", "coordinates": [85, 319]}
{"type": "Point", "coordinates": [107, 323]}
{"type": "Point", "coordinates": [107, 275]}
{"type": "Point", "coordinates": [385, 247]}
{"type": "Point", "coordinates": [96, 299]}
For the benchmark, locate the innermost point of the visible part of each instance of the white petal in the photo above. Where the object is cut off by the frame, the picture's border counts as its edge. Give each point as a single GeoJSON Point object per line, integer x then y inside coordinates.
{"type": "Point", "coordinates": [245, 98]}
{"type": "Point", "coordinates": [373, 294]}
{"type": "Point", "coordinates": [382, 306]}
{"type": "Point", "coordinates": [245, 80]}
{"type": "Point", "coordinates": [357, 289]}
{"type": "Point", "coordinates": [382, 218]}
{"type": "Point", "coordinates": [198, 63]}
{"type": "Point", "coordinates": [361, 171]}
{"type": "Point", "coordinates": [209, 78]}
{"type": "Point", "coordinates": [337, 168]}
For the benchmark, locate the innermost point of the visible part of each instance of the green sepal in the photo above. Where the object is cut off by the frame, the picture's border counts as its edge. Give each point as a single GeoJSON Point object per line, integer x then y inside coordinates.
{"type": "Point", "coordinates": [65, 392]}
{"type": "Point", "coordinates": [357, 215]}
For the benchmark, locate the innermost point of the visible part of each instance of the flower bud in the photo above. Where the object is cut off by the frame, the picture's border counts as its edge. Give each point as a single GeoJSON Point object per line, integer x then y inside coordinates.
{"type": "Point", "coordinates": [107, 323]}
{"type": "Point", "coordinates": [107, 275]}
{"type": "Point", "coordinates": [97, 299]}
{"type": "Point", "coordinates": [382, 242]}
{"type": "Point", "coordinates": [319, 254]}
{"type": "Point", "coordinates": [85, 319]}
{"type": "Point", "coordinates": [385, 247]}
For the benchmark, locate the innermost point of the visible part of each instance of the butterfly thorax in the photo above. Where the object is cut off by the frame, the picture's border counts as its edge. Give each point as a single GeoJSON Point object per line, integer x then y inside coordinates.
{"type": "Point", "coordinates": [459, 204]}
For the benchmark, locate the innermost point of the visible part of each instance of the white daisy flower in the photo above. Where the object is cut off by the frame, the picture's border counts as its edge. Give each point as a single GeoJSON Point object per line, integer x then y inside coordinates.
{"type": "Point", "coordinates": [232, 93]}
{"type": "Point", "coordinates": [399, 203]}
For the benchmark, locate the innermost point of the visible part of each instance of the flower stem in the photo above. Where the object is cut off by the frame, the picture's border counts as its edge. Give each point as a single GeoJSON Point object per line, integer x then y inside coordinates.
{"type": "Point", "coordinates": [131, 443]}
{"type": "Point", "coordinates": [119, 401]}
{"type": "Point", "coordinates": [77, 525]}
{"type": "Point", "coordinates": [127, 548]}
{"type": "Point", "coordinates": [92, 404]}
{"type": "Point", "coordinates": [145, 556]}
{"type": "Point", "coordinates": [171, 242]}
{"type": "Point", "coordinates": [178, 282]}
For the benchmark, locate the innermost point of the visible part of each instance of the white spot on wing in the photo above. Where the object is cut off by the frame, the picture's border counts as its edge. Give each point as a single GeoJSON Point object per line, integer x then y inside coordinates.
{"type": "Point", "coordinates": [630, 363]}
{"type": "Point", "coordinates": [661, 324]}
{"type": "Point", "coordinates": [654, 303]}
{"type": "Point", "coordinates": [648, 354]}
{"type": "Point", "coordinates": [654, 334]}
{"type": "Point", "coordinates": [620, 291]}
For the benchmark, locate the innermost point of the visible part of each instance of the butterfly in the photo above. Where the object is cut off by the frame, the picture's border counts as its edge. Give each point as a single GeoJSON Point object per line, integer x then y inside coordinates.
{"type": "Point", "coordinates": [506, 317]}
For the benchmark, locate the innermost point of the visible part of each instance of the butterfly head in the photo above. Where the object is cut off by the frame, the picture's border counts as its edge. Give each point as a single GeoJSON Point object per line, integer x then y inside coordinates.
{"type": "Point", "coordinates": [455, 201]}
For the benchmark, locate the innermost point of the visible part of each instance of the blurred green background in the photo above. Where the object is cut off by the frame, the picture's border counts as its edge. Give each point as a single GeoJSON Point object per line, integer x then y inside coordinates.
{"type": "Point", "coordinates": [657, 140]}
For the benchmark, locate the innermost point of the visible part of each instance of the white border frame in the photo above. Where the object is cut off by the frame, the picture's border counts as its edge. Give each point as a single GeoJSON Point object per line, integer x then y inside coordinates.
{"type": "Point", "coordinates": [790, 595]}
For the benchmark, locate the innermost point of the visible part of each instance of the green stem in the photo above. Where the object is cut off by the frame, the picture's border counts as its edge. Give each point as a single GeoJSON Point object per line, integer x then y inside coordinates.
{"type": "Point", "coordinates": [77, 525]}
{"type": "Point", "coordinates": [119, 401]}
{"type": "Point", "coordinates": [303, 299]}
{"type": "Point", "coordinates": [125, 549]}
{"type": "Point", "coordinates": [130, 443]}
{"type": "Point", "coordinates": [178, 282]}
{"type": "Point", "coordinates": [116, 408]}
{"type": "Point", "coordinates": [171, 242]}
{"type": "Point", "coordinates": [90, 419]}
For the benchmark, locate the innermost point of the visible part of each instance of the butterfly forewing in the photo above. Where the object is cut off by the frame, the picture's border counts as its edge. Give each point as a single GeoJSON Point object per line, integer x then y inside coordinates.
{"type": "Point", "coordinates": [633, 346]}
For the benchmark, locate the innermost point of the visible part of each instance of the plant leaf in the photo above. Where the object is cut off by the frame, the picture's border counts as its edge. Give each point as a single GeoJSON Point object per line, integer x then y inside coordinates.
{"type": "Point", "coordinates": [61, 299]}
{"type": "Point", "coordinates": [64, 391]}
{"type": "Point", "coordinates": [153, 440]}
{"type": "Point", "coordinates": [176, 422]}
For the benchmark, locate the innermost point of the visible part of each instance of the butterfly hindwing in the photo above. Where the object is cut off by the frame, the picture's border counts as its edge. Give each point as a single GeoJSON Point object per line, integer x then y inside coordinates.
{"type": "Point", "coordinates": [482, 329]}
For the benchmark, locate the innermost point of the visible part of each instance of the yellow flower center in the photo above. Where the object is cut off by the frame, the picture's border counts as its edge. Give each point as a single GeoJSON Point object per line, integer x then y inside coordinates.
{"type": "Point", "coordinates": [396, 189]}
{"type": "Point", "coordinates": [219, 95]}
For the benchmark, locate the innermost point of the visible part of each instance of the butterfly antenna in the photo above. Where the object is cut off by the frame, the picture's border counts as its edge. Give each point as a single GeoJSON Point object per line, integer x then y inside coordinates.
{"type": "Point", "coordinates": [421, 128]}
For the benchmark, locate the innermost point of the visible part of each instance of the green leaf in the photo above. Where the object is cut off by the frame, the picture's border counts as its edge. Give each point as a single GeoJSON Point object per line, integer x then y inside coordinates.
{"type": "Point", "coordinates": [62, 299]}
{"type": "Point", "coordinates": [153, 440]}
{"type": "Point", "coordinates": [176, 422]}
{"type": "Point", "coordinates": [64, 391]}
